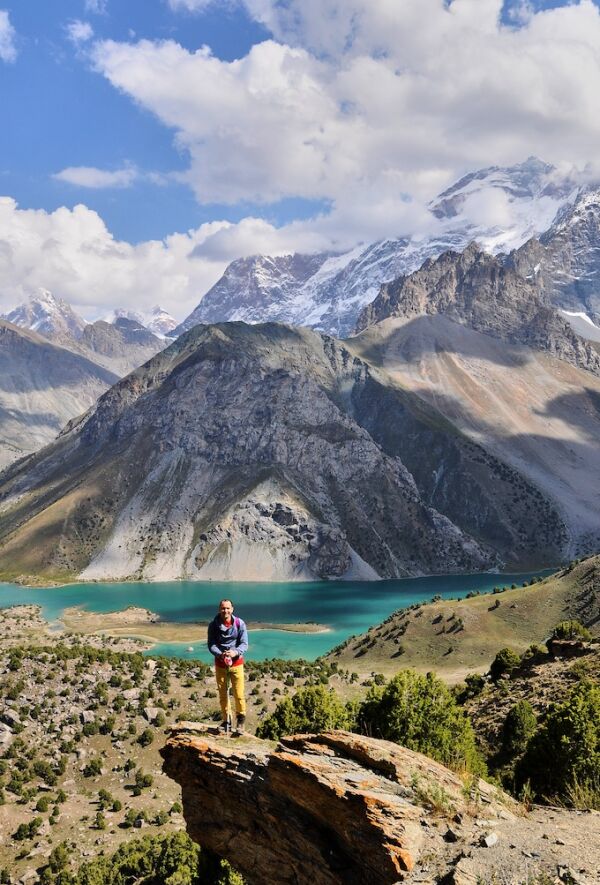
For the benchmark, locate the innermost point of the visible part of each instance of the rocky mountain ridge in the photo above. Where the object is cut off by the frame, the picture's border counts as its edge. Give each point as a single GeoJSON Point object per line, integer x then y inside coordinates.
{"type": "Point", "coordinates": [565, 262]}
{"type": "Point", "coordinates": [119, 343]}
{"type": "Point", "coordinates": [42, 387]}
{"type": "Point", "coordinates": [328, 291]}
{"type": "Point", "coordinates": [275, 452]}
{"type": "Point", "coordinates": [52, 317]}
{"type": "Point", "coordinates": [84, 359]}
{"type": "Point", "coordinates": [480, 291]}
{"type": "Point", "coordinates": [151, 490]}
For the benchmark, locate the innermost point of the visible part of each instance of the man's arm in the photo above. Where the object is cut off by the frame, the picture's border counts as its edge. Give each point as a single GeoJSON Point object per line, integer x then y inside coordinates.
{"type": "Point", "coordinates": [212, 641]}
{"type": "Point", "coordinates": [242, 640]}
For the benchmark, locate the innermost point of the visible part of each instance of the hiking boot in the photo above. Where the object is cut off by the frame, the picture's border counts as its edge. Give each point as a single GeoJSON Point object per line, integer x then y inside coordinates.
{"type": "Point", "coordinates": [239, 726]}
{"type": "Point", "coordinates": [224, 727]}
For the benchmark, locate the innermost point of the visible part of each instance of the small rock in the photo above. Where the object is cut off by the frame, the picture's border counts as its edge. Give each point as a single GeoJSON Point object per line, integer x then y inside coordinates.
{"type": "Point", "coordinates": [487, 840]}
{"type": "Point", "coordinates": [451, 835]}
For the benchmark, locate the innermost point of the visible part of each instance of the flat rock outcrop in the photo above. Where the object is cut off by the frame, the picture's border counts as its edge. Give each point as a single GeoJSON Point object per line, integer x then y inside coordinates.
{"type": "Point", "coordinates": [344, 808]}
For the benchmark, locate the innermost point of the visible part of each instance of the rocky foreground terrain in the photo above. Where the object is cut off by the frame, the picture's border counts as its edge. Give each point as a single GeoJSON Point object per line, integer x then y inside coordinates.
{"type": "Point", "coordinates": [82, 721]}
{"type": "Point", "coordinates": [343, 808]}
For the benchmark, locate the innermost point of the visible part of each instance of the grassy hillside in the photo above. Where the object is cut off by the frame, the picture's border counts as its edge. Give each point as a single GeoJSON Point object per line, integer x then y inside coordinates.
{"type": "Point", "coordinates": [454, 637]}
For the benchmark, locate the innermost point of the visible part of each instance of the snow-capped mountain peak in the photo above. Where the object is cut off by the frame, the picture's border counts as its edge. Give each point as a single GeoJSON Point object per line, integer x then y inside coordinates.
{"type": "Point", "coordinates": [161, 322]}
{"type": "Point", "coordinates": [499, 207]}
{"type": "Point", "coordinates": [48, 315]}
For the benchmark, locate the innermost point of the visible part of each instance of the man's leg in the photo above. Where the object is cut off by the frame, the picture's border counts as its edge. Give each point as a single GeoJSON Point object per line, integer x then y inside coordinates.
{"type": "Point", "coordinates": [221, 674]}
{"type": "Point", "coordinates": [237, 684]}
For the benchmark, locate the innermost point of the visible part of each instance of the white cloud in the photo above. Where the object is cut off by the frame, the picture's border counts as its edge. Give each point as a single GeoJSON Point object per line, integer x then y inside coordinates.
{"type": "Point", "coordinates": [190, 5]}
{"type": "Point", "coordinates": [90, 176]}
{"type": "Point", "coordinates": [79, 32]}
{"type": "Point", "coordinates": [98, 7]}
{"type": "Point", "coordinates": [378, 99]}
{"type": "Point", "coordinates": [72, 253]}
{"type": "Point", "coordinates": [8, 49]}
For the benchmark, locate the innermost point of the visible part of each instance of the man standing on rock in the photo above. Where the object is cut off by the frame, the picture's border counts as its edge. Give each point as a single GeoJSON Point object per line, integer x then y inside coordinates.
{"type": "Point", "coordinates": [228, 642]}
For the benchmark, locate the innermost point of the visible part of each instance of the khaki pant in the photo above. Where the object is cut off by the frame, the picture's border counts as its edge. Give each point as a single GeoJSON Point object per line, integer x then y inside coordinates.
{"type": "Point", "coordinates": [236, 676]}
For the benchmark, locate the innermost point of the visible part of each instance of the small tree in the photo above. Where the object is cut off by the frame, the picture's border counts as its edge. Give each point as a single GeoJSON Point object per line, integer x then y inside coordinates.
{"type": "Point", "coordinates": [519, 726]}
{"type": "Point", "coordinates": [504, 663]}
{"type": "Point", "coordinates": [420, 713]}
{"type": "Point", "coordinates": [563, 757]}
{"type": "Point", "coordinates": [146, 737]}
{"type": "Point", "coordinates": [312, 709]}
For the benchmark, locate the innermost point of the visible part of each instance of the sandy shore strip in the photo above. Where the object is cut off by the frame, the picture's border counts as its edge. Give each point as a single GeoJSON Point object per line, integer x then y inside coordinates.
{"type": "Point", "coordinates": [144, 624]}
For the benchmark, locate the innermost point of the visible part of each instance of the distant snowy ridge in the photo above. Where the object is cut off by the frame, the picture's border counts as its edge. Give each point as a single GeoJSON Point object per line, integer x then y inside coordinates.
{"type": "Point", "coordinates": [54, 318]}
{"type": "Point", "coordinates": [499, 207]}
{"type": "Point", "coordinates": [48, 315]}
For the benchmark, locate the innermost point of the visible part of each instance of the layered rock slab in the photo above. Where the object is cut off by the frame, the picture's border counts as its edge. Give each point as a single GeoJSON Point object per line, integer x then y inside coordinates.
{"type": "Point", "coordinates": [325, 809]}
{"type": "Point", "coordinates": [343, 808]}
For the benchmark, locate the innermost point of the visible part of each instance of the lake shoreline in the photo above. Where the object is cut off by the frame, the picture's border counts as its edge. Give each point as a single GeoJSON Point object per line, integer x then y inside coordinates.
{"type": "Point", "coordinates": [136, 622]}
{"type": "Point", "coordinates": [288, 620]}
{"type": "Point", "coordinates": [32, 582]}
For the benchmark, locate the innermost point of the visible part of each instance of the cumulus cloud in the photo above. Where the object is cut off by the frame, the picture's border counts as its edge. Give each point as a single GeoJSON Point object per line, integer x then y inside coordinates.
{"type": "Point", "coordinates": [374, 98]}
{"type": "Point", "coordinates": [90, 176]}
{"type": "Point", "coordinates": [8, 49]}
{"type": "Point", "coordinates": [72, 253]}
{"type": "Point", "coordinates": [79, 32]}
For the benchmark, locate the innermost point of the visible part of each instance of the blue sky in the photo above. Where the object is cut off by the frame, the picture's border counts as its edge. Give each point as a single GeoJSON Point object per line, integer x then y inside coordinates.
{"type": "Point", "coordinates": [306, 124]}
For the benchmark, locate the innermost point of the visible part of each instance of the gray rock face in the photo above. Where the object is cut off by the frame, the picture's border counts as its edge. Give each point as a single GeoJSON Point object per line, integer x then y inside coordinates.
{"type": "Point", "coordinates": [121, 346]}
{"type": "Point", "coordinates": [269, 453]}
{"type": "Point", "coordinates": [565, 263]}
{"type": "Point", "coordinates": [43, 386]}
{"type": "Point", "coordinates": [482, 292]}
{"type": "Point", "coordinates": [260, 452]}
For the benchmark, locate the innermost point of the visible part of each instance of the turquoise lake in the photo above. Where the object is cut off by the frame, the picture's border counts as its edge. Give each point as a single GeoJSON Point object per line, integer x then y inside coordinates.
{"type": "Point", "coordinates": [346, 607]}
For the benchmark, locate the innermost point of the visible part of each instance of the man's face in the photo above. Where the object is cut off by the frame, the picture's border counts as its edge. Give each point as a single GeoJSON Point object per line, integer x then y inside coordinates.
{"type": "Point", "coordinates": [225, 610]}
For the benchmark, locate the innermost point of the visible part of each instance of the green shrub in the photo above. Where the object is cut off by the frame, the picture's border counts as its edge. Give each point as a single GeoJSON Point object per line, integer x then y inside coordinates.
{"type": "Point", "coordinates": [146, 737]}
{"type": "Point", "coordinates": [420, 713]}
{"type": "Point", "coordinates": [93, 768]}
{"type": "Point", "coordinates": [43, 804]}
{"type": "Point", "coordinates": [571, 630]}
{"type": "Point", "coordinates": [519, 726]}
{"type": "Point", "coordinates": [171, 858]}
{"type": "Point", "coordinates": [563, 759]}
{"type": "Point", "coordinates": [504, 663]}
{"type": "Point", "coordinates": [312, 709]}
{"type": "Point", "coordinates": [473, 685]}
